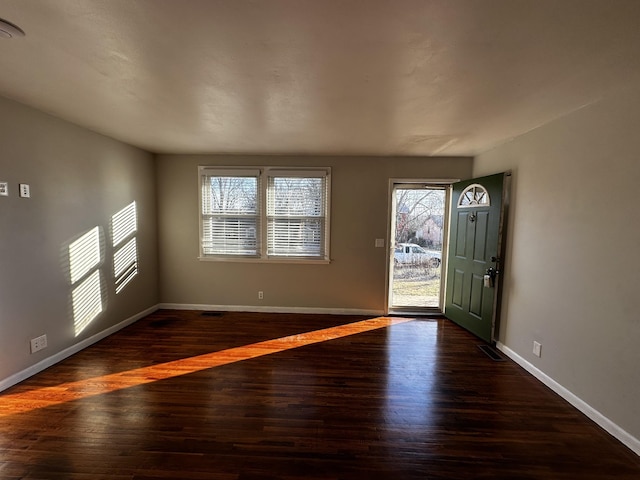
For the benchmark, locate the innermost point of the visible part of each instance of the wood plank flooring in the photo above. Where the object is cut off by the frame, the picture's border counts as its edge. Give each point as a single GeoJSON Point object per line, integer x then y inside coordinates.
{"type": "Point", "coordinates": [247, 396]}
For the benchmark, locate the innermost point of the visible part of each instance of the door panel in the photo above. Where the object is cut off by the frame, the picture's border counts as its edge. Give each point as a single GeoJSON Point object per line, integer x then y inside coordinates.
{"type": "Point", "coordinates": [480, 238]}
{"type": "Point", "coordinates": [461, 235]}
{"type": "Point", "coordinates": [476, 296]}
{"type": "Point", "coordinates": [457, 288]}
{"type": "Point", "coordinates": [474, 246]}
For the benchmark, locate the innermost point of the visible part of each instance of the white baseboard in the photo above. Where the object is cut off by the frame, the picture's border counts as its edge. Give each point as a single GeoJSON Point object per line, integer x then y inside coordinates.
{"type": "Point", "coordinates": [256, 309]}
{"type": "Point", "coordinates": [67, 352]}
{"type": "Point", "coordinates": [612, 428]}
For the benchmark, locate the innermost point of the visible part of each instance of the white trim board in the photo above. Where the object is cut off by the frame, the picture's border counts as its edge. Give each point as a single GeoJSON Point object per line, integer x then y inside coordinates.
{"type": "Point", "coordinates": [255, 309]}
{"type": "Point", "coordinates": [612, 428]}
{"type": "Point", "coordinates": [67, 352]}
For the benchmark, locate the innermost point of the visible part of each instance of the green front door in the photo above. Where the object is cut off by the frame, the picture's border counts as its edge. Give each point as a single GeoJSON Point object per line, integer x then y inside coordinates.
{"type": "Point", "coordinates": [473, 258]}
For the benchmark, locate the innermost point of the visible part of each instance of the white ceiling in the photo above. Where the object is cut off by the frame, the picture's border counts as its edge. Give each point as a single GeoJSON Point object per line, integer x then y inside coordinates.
{"type": "Point", "coordinates": [376, 77]}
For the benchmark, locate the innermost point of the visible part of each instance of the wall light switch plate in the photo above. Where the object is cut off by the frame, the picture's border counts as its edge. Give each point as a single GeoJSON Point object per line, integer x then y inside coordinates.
{"type": "Point", "coordinates": [379, 242]}
{"type": "Point", "coordinates": [4, 189]}
{"type": "Point", "coordinates": [25, 191]}
{"type": "Point", "coordinates": [537, 349]}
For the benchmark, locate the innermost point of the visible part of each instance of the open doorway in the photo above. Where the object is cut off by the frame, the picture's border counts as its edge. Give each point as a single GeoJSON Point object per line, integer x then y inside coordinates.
{"type": "Point", "coordinates": [417, 240]}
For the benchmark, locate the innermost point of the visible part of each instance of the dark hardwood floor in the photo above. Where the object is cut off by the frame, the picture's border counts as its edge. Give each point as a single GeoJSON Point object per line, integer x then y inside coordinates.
{"type": "Point", "coordinates": [182, 395]}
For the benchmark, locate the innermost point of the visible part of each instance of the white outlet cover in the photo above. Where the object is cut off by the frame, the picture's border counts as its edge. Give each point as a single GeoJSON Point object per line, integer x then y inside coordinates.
{"type": "Point", "coordinates": [25, 191]}
{"type": "Point", "coordinates": [38, 343]}
{"type": "Point", "coordinates": [4, 189]}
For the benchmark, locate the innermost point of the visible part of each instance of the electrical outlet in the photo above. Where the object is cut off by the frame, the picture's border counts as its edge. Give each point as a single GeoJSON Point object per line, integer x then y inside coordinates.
{"type": "Point", "coordinates": [537, 349]}
{"type": "Point", "coordinates": [4, 189]}
{"type": "Point", "coordinates": [260, 295]}
{"type": "Point", "coordinates": [38, 343]}
{"type": "Point", "coordinates": [25, 190]}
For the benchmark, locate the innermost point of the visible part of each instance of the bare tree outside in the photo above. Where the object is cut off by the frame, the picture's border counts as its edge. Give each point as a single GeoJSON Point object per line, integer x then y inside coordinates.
{"type": "Point", "coordinates": [233, 195]}
{"type": "Point", "coordinates": [417, 210]}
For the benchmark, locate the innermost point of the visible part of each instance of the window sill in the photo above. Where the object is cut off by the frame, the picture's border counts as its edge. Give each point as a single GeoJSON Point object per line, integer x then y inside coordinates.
{"type": "Point", "coordinates": [274, 260]}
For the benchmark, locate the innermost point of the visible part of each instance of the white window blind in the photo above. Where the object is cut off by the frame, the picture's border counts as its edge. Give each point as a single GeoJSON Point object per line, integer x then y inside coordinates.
{"type": "Point", "coordinates": [297, 205]}
{"type": "Point", "coordinates": [230, 220]}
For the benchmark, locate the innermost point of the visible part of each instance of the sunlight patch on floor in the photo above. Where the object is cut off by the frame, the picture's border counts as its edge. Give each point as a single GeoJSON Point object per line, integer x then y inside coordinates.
{"type": "Point", "coordinates": [23, 402]}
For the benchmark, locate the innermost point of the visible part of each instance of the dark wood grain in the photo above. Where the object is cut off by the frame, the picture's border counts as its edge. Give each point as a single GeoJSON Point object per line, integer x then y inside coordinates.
{"type": "Point", "coordinates": [181, 395]}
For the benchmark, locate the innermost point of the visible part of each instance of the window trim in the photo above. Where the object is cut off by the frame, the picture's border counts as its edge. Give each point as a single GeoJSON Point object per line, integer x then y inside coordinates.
{"type": "Point", "coordinates": [263, 173]}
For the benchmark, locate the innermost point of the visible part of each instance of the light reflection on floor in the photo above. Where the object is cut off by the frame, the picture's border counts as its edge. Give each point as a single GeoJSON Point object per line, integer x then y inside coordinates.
{"type": "Point", "coordinates": [22, 402]}
{"type": "Point", "coordinates": [411, 367]}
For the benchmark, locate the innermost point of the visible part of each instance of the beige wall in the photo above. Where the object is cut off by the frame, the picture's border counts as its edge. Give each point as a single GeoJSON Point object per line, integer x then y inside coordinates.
{"type": "Point", "coordinates": [78, 180]}
{"type": "Point", "coordinates": [573, 263]}
{"type": "Point", "coordinates": [355, 278]}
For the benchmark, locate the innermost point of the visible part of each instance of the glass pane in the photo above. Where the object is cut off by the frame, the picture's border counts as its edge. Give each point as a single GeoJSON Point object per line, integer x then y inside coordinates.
{"type": "Point", "coordinates": [296, 216]}
{"type": "Point", "coordinates": [417, 258]}
{"type": "Point", "coordinates": [301, 197]}
{"type": "Point", "coordinates": [230, 195]}
{"type": "Point", "coordinates": [474, 196]}
{"type": "Point", "coordinates": [230, 215]}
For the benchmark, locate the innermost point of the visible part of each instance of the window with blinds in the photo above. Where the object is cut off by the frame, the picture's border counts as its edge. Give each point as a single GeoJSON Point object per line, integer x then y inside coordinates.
{"type": "Point", "coordinates": [296, 218]}
{"type": "Point", "coordinates": [230, 213]}
{"type": "Point", "coordinates": [266, 214]}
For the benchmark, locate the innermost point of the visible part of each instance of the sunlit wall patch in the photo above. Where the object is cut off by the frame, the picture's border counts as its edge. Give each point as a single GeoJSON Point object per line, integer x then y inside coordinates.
{"type": "Point", "coordinates": [86, 294]}
{"type": "Point", "coordinates": [124, 226]}
{"type": "Point", "coordinates": [125, 264]}
{"type": "Point", "coordinates": [84, 254]}
{"type": "Point", "coordinates": [87, 302]}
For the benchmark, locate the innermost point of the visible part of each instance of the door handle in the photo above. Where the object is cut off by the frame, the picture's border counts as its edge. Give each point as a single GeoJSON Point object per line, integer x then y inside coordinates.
{"type": "Point", "coordinates": [490, 277]}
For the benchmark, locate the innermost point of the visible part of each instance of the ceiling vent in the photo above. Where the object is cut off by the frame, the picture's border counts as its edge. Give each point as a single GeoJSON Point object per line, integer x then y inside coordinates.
{"type": "Point", "coordinates": [9, 30]}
